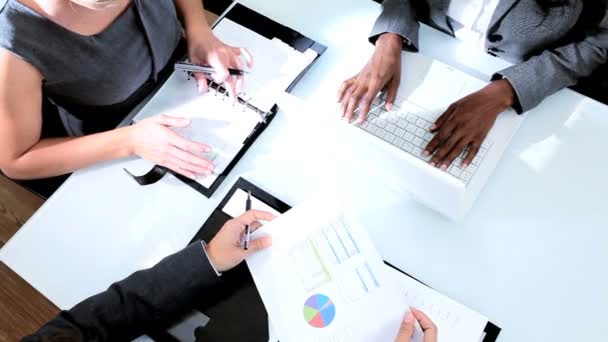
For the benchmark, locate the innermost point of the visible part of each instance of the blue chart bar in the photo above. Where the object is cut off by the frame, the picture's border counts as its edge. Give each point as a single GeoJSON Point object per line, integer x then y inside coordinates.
{"type": "Point", "coordinates": [369, 270]}
{"type": "Point", "coordinates": [331, 246]}
{"type": "Point", "coordinates": [362, 280]}
{"type": "Point", "coordinates": [351, 237]}
{"type": "Point", "coordinates": [336, 244]}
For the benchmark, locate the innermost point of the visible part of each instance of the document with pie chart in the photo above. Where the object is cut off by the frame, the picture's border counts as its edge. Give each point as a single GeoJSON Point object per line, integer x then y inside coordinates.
{"type": "Point", "coordinates": [323, 280]}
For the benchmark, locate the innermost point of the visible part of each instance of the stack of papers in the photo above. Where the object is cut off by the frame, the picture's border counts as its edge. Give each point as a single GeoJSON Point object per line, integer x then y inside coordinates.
{"type": "Point", "coordinates": [323, 280]}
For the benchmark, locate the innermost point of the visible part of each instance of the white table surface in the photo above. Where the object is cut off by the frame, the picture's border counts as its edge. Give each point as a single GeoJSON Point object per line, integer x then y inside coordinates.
{"type": "Point", "coordinates": [531, 255]}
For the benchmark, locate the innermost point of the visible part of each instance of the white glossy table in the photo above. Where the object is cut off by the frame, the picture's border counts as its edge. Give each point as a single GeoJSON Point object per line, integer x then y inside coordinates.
{"type": "Point", "coordinates": [531, 254]}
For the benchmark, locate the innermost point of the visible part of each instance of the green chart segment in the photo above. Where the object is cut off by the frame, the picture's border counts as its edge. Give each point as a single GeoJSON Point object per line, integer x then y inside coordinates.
{"type": "Point", "coordinates": [319, 311]}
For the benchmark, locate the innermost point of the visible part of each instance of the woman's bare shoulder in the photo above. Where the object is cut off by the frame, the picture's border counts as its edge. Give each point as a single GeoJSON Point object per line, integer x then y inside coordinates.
{"type": "Point", "coordinates": [15, 69]}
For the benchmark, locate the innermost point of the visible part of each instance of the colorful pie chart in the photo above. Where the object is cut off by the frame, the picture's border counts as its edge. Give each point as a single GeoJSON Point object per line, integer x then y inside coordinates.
{"type": "Point", "coordinates": [319, 311]}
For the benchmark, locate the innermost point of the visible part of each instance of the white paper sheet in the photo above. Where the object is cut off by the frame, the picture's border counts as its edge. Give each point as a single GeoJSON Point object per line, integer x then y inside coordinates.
{"type": "Point", "coordinates": [272, 336]}
{"type": "Point", "coordinates": [276, 64]}
{"type": "Point", "coordinates": [323, 280]}
{"type": "Point", "coordinates": [455, 322]}
{"type": "Point", "coordinates": [236, 204]}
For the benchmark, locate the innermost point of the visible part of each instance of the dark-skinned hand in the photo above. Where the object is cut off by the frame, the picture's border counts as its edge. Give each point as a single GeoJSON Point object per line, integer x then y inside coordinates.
{"type": "Point", "coordinates": [466, 123]}
{"type": "Point", "coordinates": [382, 71]}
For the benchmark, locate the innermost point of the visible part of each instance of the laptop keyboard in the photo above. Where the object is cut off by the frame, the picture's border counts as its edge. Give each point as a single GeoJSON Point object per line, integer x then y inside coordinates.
{"type": "Point", "coordinates": [406, 128]}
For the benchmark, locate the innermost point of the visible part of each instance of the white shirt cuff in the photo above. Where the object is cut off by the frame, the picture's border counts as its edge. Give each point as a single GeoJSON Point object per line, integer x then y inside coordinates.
{"type": "Point", "coordinates": [211, 263]}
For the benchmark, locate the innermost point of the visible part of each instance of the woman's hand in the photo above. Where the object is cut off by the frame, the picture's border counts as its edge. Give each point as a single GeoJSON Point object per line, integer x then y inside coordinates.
{"type": "Point", "coordinates": [382, 70]}
{"type": "Point", "coordinates": [225, 250]}
{"type": "Point", "coordinates": [466, 123]}
{"type": "Point", "coordinates": [406, 330]}
{"type": "Point", "coordinates": [207, 49]}
{"type": "Point", "coordinates": [154, 140]}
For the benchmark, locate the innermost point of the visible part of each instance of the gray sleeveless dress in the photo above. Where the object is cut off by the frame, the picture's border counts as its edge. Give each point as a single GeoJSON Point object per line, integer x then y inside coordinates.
{"type": "Point", "coordinates": [92, 82]}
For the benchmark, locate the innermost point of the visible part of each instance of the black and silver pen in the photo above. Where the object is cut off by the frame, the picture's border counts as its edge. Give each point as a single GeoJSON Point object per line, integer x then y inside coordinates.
{"type": "Point", "coordinates": [247, 228]}
{"type": "Point", "coordinates": [205, 69]}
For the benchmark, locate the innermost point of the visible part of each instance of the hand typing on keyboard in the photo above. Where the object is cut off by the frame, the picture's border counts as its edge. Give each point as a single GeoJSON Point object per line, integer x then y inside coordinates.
{"type": "Point", "coordinates": [383, 70]}
{"type": "Point", "coordinates": [408, 127]}
{"type": "Point", "coordinates": [466, 123]}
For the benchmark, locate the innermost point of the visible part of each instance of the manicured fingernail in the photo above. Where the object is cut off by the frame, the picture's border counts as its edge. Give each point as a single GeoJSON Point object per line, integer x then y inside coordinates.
{"type": "Point", "coordinates": [409, 317]}
{"type": "Point", "coordinates": [444, 166]}
{"type": "Point", "coordinates": [426, 153]}
{"type": "Point", "coordinates": [389, 106]}
{"type": "Point", "coordinates": [433, 127]}
{"type": "Point", "coordinates": [433, 164]}
{"type": "Point", "coordinates": [465, 164]}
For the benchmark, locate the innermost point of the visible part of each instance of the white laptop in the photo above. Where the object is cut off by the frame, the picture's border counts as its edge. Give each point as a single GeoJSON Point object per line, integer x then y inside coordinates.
{"type": "Point", "coordinates": [427, 88]}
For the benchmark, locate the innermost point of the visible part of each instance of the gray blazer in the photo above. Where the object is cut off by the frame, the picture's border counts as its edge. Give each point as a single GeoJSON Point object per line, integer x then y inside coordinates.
{"type": "Point", "coordinates": [551, 49]}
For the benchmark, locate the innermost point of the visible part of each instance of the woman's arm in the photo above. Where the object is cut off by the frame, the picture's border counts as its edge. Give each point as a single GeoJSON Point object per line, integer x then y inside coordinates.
{"type": "Point", "coordinates": [193, 14]}
{"type": "Point", "coordinates": [555, 69]}
{"type": "Point", "coordinates": [24, 156]}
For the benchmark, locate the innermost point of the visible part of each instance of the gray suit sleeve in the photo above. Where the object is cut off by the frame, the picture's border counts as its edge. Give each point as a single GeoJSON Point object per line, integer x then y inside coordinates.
{"type": "Point", "coordinates": [555, 69]}
{"type": "Point", "coordinates": [400, 17]}
{"type": "Point", "coordinates": [145, 301]}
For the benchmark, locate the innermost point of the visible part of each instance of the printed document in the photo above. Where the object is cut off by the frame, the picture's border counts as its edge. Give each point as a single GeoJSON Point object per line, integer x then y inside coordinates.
{"type": "Point", "coordinates": [323, 280]}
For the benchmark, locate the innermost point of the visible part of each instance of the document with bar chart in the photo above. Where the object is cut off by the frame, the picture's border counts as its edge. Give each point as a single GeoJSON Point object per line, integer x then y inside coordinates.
{"type": "Point", "coordinates": [323, 280]}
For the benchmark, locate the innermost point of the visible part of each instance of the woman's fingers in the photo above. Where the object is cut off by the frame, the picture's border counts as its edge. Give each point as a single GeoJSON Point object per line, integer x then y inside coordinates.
{"type": "Point", "coordinates": [179, 170]}
{"type": "Point", "coordinates": [172, 121]}
{"type": "Point", "coordinates": [188, 145]}
{"type": "Point", "coordinates": [248, 57]}
{"type": "Point", "coordinates": [201, 82]}
{"type": "Point", "coordinates": [196, 164]}
{"type": "Point", "coordinates": [184, 165]}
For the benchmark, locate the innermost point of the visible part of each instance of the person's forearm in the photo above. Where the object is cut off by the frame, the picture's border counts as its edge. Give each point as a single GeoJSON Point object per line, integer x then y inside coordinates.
{"type": "Point", "coordinates": [193, 14]}
{"type": "Point", "coordinates": [144, 301]}
{"type": "Point", "coordinates": [58, 156]}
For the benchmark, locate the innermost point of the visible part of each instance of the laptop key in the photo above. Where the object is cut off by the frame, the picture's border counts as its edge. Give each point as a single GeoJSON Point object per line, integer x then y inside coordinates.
{"type": "Point", "coordinates": [420, 132]}
{"type": "Point", "coordinates": [411, 128]}
{"type": "Point", "coordinates": [418, 142]}
{"type": "Point", "coordinates": [408, 146]}
{"type": "Point", "coordinates": [398, 142]}
{"type": "Point", "coordinates": [408, 136]}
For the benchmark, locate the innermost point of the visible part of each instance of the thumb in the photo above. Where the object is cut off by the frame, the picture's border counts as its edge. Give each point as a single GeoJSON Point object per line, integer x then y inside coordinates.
{"type": "Point", "coordinates": [172, 121]}
{"type": "Point", "coordinates": [406, 330]}
{"type": "Point", "coordinates": [391, 91]}
{"type": "Point", "coordinates": [259, 244]}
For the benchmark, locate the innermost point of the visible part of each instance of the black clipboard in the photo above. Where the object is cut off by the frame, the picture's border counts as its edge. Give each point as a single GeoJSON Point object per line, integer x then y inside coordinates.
{"type": "Point", "coordinates": [238, 299]}
{"type": "Point", "coordinates": [236, 310]}
{"type": "Point", "coordinates": [267, 28]}
{"type": "Point", "coordinates": [491, 330]}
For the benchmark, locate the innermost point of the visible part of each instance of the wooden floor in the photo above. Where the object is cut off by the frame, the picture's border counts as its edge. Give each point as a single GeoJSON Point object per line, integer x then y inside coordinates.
{"type": "Point", "coordinates": [22, 308]}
